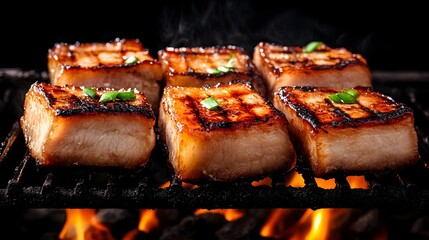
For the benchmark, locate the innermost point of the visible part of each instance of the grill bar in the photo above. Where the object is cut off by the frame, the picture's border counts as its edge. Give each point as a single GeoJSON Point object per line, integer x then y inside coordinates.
{"type": "Point", "coordinates": [23, 183]}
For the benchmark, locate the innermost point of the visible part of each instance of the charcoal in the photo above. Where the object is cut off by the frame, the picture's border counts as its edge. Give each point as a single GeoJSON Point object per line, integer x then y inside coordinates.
{"type": "Point", "coordinates": [119, 221]}
{"type": "Point", "coordinates": [421, 227]}
{"type": "Point", "coordinates": [368, 222]}
{"type": "Point", "coordinates": [195, 227]}
{"type": "Point", "coordinates": [169, 217]}
{"type": "Point", "coordinates": [246, 227]}
{"type": "Point", "coordinates": [136, 234]}
{"type": "Point", "coordinates": [94, 233]}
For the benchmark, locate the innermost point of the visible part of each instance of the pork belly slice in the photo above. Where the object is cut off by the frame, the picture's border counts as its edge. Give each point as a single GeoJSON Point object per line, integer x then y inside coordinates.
{"type": "Point", "coordinates": [190, 67]}
{"type": "Point", "coordinates": [64, 126]}
{"type": "Point", "coordinates": [325, 67]}
{"type": "Point", "coordinates": [374, 134]}
{"type": "Point", "coordinates": [244, 137]}
{"type": "Point", "coordinates": [105, 65]}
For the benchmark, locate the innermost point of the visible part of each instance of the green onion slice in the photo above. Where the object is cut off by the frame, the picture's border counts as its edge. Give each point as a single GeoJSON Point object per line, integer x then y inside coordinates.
{"type": "Point", "coordinates": [349, 96]}
{"type": "Point", "coordinates": [131, 60]}
{"type": "Point", "coordinates": [210, 103]}
{"type": "Point", "coordinates": [108, 96]}
{"type": "Point", "coordinates": [229, 64]}
{"type": "Point", "coordinates": [126, 96]}
{"type": "Point", "coordinates": [335, 98]}
{"type": "Point", "coordinates": [223, 69]}
{"type": "Point", "coordinates": [352, 92]}
{"type": "Point", "coordinates": [91, 92]}
{"type": "Point", "coordinates": [311, 47]}
{"type": "Point", "coordinates": [213, 71]}
{"type": "Point", "coordinates": [346, 98]}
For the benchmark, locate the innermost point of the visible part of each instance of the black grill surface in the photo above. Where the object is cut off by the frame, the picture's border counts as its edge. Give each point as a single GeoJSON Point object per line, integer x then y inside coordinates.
{"type": "Point", "coordinates": [23, 183]}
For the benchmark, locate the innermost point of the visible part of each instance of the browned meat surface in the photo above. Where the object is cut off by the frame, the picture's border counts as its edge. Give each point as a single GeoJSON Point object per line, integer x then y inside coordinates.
{"type": "Point", "coordinates": [190, 67]}
{"type": "Point", "coordinates": [105, 65]}
{"type": "Point", "coordinates": [325, 67]}
{"type": "Point", "coordinates": [374, 134]}
{"type": "Point", "coordinates": [244, 137]}
{"type": "Point", "coordinates": [64, 126]}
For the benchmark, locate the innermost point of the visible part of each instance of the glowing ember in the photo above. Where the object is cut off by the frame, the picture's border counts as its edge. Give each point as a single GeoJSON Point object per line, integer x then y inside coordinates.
{"type": "Point", "coordinates": [263, 182]}
{"type": "Point", "coordinates": [148, 220]}
{"type": "Point", "coordinates": [165, 185]}
{"type": "Point", "coordinates": [184, 185]}
{"type": "Point", "coordinates": [325, 183]}
{"type": "Point", "coordinates": [357, 182]}
{"type": "Point", "coordinates": [296, 180]}
{"type": "Point", "coordinates": [230, 214]}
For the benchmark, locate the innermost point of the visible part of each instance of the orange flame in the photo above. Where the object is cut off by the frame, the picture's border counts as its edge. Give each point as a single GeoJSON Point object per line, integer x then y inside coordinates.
{"type": "Point", "coordinates": [184, 185]}
{"type": "Point", "coordinates": [357, 182]}
{"type": "Point", "coordinates": [148, 220]}
{"type": "Point", "coordinates": [273, 227]}
{"type": "Point", "coordinates": [77, 222]}
{"type": "Point", "coordinates": [165, 185]}
{"type": "Point", "coordinates": [296, 180]}
{"type": "Point", "coordinates": [325, 183]}
{"type": "Point", "coordinates": [319, 226]}
{"type": "Point", "coordinates": [230, 214]}
{"type": "Point", "coordinates": [263, 182]}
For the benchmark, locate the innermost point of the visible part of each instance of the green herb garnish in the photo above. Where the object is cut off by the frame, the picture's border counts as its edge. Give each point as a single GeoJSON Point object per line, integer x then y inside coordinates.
{"type": "Point", "coordinates": [115, 95]}
{"type": "Point", "coordinates": [311, 47]}
{"type": "Point", "coordinates": [126, 96]}
{"type": "Point", "coordinates": [213, 71]}
{"type": "Point", "coordinates": [91, 92]}
{"type": "Point", "coordinates": [131, 60]}
{"type": "Point", "coordinates": [223, 69]}
{"type": "Point", "coordinates": [108, 96]}
{"type": "Point", "coordinates": [210, 103]}
{"type": "Point", "coordinates": [349, 96]}
{"type": "Point", "coordinates": [352, 92]}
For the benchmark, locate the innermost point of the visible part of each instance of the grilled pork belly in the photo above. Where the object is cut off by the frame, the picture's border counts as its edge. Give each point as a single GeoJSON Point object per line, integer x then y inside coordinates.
{"type": "Point", "coordinates": [324, 67]}
{"type": "Point", "coordinates": [197, 67]}
{"type": "Point", "coordinates": [243, 137]}
{"type": "Point", "coordinates": [64, 126]}
{"type": "Point", "coordinates": [105, 65]}
{"type": "Point", "coordinates": [374, 134]}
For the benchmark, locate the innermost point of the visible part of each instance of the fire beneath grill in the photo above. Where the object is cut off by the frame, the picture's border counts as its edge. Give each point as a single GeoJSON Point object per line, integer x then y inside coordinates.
{"type": "Point", "coordinates": [285, 223]}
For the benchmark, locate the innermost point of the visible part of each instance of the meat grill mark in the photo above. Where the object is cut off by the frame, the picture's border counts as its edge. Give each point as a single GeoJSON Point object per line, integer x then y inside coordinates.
{"type": "Point", "coordinates": [223, 117]}
{"type": "Point", "coordinates": [302, 110]}
{"type": "Point", "coordinates": [67, 104]}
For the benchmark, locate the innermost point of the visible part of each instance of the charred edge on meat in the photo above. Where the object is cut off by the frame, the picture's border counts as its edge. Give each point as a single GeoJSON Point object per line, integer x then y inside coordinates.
{"type": "Point", "coordinates": [303, 112]}
{"type": "Point", "coordinates": [83, 105]}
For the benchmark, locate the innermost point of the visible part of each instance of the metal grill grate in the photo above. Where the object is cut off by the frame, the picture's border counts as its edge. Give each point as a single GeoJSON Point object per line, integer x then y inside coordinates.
{"type": "Point", "coordinates": [24, 183]}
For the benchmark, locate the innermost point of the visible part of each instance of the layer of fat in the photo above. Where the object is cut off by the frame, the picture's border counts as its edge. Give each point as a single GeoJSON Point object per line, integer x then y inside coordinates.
{"type": "Point", "coordinates": [226, 154]}
{"type": "Point", "coordinates": [124, 140]}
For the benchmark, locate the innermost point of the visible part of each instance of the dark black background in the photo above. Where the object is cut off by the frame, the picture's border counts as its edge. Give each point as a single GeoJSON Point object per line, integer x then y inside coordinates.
{"type": "Point", "coordinates": [391, 37]}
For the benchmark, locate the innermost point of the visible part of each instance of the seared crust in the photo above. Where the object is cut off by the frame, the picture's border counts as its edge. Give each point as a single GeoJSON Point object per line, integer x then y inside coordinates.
{"type": "Point", "coordinates": [187, 67]}
{"type": "Point", "coordinates": [375, 134]}
{"type": "Point", "coordinates": [325, 67]}
{"type": "Point", "coordinates": [238, 108]}
{"type": "Point", "coordinates": [321, 113]}
{"type": "Point", "coordinates": [214, 144]}
{"type": "Point", "coordinates": [104, 65]}
{"type": "Point", "coordinates": [64, 126]}
{"type": "Point", "coordinates": [69, 100]}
